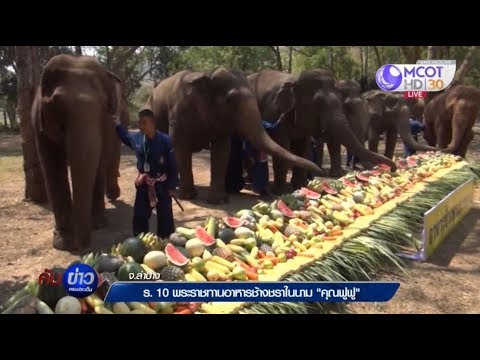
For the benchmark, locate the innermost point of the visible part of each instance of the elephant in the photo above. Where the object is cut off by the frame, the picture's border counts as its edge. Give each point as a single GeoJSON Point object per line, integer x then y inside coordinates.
{"type": "Point", "coordinates": [307, 106]}
{"type": "Point", "coordinates": [72, 126]}
{"type": "Point", "coordinates": [203, 109]}
{"type": "Point", "coordinates": [449, 118]}
{"type": "Point", "coordinates": [389, 113]}
{"type": "Point", "coordinates": [354, 109]}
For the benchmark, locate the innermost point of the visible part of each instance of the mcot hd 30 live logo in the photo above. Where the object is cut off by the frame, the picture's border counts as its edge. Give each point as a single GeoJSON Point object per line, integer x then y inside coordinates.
{"type": "Point", "coordinates": [78, 280]}
{"type": "Point", "coordinates": [415, 80]}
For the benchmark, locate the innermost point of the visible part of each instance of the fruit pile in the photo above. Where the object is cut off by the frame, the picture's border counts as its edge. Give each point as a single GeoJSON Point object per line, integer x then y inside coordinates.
{"type": "Point", "coordinates": [255, 244]}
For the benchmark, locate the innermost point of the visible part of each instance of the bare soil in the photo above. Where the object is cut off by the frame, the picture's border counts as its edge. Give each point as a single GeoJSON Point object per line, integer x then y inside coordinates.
{"type": "Point", "coordinates": [448, 283]}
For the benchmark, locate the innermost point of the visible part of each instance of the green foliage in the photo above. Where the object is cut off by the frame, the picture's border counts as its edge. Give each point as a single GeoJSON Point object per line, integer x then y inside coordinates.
{"type": "Point", "coordinates": [249, 59]}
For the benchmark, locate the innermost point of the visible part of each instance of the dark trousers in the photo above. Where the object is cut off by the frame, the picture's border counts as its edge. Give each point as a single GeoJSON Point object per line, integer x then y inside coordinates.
{"type": "Point", "coordinates": [142, 212]}
{"type": "Point", "coordinates": [234, 180]}
{"type": "Point", "coordinates": [312, 156]}
{"type": "Point", "coordinates": [260, 175]}
{"type": "Point", "coordinates": [352, 160]}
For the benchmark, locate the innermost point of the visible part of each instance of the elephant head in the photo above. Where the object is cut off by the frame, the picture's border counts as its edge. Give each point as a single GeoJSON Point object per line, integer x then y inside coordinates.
{"type": "Point", "coordinates": [354, 107]}
{"type": "Point", "coordinates": [391, 107]}
{"type": "Point", "coordinates": [321, 108]}
{"type": "Point", "coordinates": [226, 104]}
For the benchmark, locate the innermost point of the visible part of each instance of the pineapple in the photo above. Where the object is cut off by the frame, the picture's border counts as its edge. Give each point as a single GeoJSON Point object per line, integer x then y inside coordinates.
{"type": "Point", "coordinates": [290, 230]}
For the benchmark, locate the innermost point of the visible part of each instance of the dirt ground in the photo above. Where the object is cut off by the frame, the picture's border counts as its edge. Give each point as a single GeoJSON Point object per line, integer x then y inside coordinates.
{"type": "Point", "coordinates": [448, 283]}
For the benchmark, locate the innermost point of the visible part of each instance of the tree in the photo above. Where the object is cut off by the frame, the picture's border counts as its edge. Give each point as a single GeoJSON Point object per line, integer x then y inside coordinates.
{"type": "Point", "coordinates": [78, 50]}
{"type": "Point", "coordinates": [28, 65]}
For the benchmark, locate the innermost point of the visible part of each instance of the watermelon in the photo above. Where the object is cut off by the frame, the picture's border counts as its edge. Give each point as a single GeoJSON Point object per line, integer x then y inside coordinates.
{"type": "Point", "coordinates": [363, 176]}
{"type": "Point", "coordinates": [384, 167]}
{"type": "Point", "coordinates": [175, 256]}
{"type": "Point", "coordinates": [376, 173]}
{"type": "Point", "coordinates": [233, 222]}
{"type": "Point", "coordinates": [135, 248]}
{"type": "Point", "coordinates": [285, 210]}
{"type": "Point", "coordinates": [328, 189]}
{"type": "Point", "coordinates": [411, 162]}
{"type": "Point", "coordinates": [310, 194]}
{"type": "Point", "coordinates": [348, 183]}
{"type": "Point", "coordinates": [402, 164]}
{"type": "Point", "coordinates": [204, 236]}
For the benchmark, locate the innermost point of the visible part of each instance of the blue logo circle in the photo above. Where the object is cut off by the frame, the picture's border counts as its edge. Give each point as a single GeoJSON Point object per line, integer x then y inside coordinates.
{"type": "Point", "coordinates": [388, 77]}
{"type": "Point", "coordinates": [80, 280]}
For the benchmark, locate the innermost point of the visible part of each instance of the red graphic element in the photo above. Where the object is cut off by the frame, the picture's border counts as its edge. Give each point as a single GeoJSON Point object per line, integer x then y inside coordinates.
{"type": "Point", "coordinates": [48, 277]}
{"type": "Point", "coordinates": [415, 94]}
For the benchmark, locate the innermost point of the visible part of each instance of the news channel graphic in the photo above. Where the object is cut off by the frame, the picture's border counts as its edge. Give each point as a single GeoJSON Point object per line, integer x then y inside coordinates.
{"type": "Point", "coordinates": [79, 280]}
{"type": "Point", "coordinates": [416, 80]}
{"type": "Point", "coordinates": [248, 291]}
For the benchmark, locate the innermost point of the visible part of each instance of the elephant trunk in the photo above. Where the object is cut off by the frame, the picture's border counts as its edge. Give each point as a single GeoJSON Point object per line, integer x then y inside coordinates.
{"type": "Point", "coordinates": [250, 127]}
{"type": "Point", "coordinates": [83, 137]}
{"type": "Point", "coordinates": [340, 127]}
{"type": "Point", "coordinates": [405, 133]}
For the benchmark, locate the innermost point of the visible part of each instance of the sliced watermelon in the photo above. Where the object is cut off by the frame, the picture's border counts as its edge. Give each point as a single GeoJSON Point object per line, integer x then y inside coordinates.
{"type": "Point", "coordinates": [285, 210]}
{"type": "Point", "coordinates": [175, 256]}
{"type": "Point", "coordinates": [411, 162]}
{"type": "Point", "coordinates": [204, 236]}
{"type": "Point", "coordinates": [233, 222]}
{"type": "Point", "coordinates": [375, 173]}
{"type": "Point", "coordinates": [310, 194]}
{"type": "Point", "coordinates": [348, 183]}
{"type": "Point", "coordinates": [328, 189]}
{"type": "Point", "coordinates": [384, 167]}
{"type": "Point", "coordinates": [363, 176]}
{"type": "Point", "coordinates": [402, 164]}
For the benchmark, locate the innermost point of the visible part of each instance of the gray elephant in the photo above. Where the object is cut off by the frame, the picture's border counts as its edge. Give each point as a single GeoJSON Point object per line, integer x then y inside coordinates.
{"type": "Point", "coordinates": [389, 113]}
{"type": "Point", "coordinates": [308, 105]}
{"type": "Point", "coordinates": [202, 110]}
{"type": "Point", "coordinates": [72, 127]}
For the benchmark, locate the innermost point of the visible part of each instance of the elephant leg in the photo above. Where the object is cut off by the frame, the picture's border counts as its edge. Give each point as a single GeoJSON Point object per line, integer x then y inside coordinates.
{"type": "Point", "coordinates": [54, 165]}
{"type": "Point", "coordinates": [467, 139]}
{"type": "Point", "coordinates": [443, 136]}
{"type": "Point", "coordinates": [220, 151]}
{"type": "Point", "coordinates": [112, 173]}
{"type": "Point", "coordinates": [98, 205]}
{"type": "Point", "coordinates": [335, 151]}
{"type": "Point", "coordinates": [429, 135]}
{"type": "Point", "coordinates": [319, 150]}
{"type": "Point", "coordinates": [183, 158]}
{"type": "Point", "coordinates": [390, 143]}
{"type": "Point", "coordinates": [299, 176]}
{"type": "Point", "coordinates": [373, 138]}
{"type": "Point", "coordinates": [280, 170]}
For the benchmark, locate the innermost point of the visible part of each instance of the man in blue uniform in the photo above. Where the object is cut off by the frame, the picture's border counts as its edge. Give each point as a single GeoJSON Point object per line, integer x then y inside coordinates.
{"type": "Point", "coordinates": [157, 178]}
{"type": "Point", "coordinates": [416, 127]}
{"type": "Point", "coordinates": [234, 182]}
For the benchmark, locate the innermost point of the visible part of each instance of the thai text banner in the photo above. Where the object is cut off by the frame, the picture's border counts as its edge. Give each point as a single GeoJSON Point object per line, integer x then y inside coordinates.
{"type": "Point", "coordinates": [252, 291]}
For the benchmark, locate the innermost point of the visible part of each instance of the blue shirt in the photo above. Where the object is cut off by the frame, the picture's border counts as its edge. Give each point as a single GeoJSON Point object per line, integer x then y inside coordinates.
{"type": "Point", "coordinates": [415, 126]}
{"type": "Point", "coordinates": [269, 127]}
{"type": "Point", "coordinates": [157, 152]}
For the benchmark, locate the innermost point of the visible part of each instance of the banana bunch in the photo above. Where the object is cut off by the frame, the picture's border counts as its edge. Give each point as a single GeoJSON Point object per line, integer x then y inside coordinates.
{"type": "Point", "coordinates": [116, 249]}
{"type": "Point", "coordinates": [153, 242]}
{"type": "Point", "coordinates": [90, 259]}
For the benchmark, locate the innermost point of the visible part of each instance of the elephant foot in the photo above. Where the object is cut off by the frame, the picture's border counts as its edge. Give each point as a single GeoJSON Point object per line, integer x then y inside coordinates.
{"type": "Point", "coordinates": [216, 198]}
{"type": "Point", "coordinates": [63, 241]}
{"type": "Point", "coordinates": [99, 221]}
{"type": "Point", "coordinates": [187, 195]}
{"type": "Point", "coordinates": [113, 192]}
{"type": "Point", "coordinates": [336, 172]}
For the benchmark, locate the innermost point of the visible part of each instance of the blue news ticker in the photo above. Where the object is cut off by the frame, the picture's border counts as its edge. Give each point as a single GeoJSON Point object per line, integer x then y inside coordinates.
{"type": "Point", "coordinates": [184, 291]}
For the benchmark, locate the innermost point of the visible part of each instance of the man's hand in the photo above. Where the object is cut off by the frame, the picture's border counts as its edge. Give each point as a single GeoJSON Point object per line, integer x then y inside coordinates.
{"type": "Point", "coordinates": [116, 120]}
{"type": "Point", "coordinates": [171, 193]}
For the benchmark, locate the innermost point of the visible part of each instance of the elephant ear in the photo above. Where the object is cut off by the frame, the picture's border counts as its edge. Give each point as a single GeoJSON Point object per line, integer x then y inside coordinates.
{"type": "Point", "coordinates": [196, 81]}
{"type": "Point", "coordinates": [284, 99]}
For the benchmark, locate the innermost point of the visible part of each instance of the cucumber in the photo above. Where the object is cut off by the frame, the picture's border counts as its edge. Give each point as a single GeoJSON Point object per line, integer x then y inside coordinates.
{"type": "Point", "coordinates": [43, 308]}
{"type": "Point", "coordinates": [19, 303]}
{"type": "Point", "coordinates": [13, 299]}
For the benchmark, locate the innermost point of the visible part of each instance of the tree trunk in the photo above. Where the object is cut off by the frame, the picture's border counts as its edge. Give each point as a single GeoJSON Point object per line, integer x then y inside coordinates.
{"type": "Point", "coordinates": [432, 52]}
{"type": "Point", "coordinates": [411, 53]}
{"type": "Point", "coordinates": [377, 55]}
{"type": "Point", "coordinates": [362, 62]}
{"type": "Point", "coordinates": [28, 76]}
{"type": "Point", "coordinates": [290, 56]}
{"type": "Point", "coordinates": [365, 63]}
{"type": "Point", "coordinates": [278, 56]}
{"type": "Point", "coordinates": [330, 60]}
{"type": "Point", "coordinates": [12, 116]}
{"type": "Point", "coordinates": [466, 65]}
{"type": "Point", "coordinates": [5, 118]}
{"type": "Point", "coordinates": [78, 50]}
